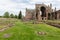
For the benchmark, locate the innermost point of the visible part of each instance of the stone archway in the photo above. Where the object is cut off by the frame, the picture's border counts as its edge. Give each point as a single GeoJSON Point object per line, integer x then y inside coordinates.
{"type": "Point", "coordinates": [43, 10]}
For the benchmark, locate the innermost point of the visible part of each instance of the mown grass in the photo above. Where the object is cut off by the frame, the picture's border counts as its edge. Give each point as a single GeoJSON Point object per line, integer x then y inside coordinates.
{"type": "Point", "coordinates": [26, 31]}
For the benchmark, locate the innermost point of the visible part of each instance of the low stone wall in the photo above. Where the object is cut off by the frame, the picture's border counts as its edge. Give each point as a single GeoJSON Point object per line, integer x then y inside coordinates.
{"type": "Point", "coordinates": [53, 24]}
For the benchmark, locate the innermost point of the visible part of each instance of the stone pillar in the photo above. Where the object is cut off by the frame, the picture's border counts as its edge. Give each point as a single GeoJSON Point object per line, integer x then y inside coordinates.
{"type": "Point", "coordinates": [50, 16]}
{"type": "Point", "coordinates": [46, 15]}
{"type": "Point", "coordinates": [57, 16]}
{"type": "Point", "coordinates": [54, 16]}
{"type": "Point", "coordinates": [39, 16]}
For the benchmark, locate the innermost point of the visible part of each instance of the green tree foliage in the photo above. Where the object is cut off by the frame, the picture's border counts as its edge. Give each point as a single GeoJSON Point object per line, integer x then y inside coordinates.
{"type": "Point", "coordinates": [11, 15]}
{"type": "Point", "coordinates": [0, 16]}
{"type": "Point", "coordinates": [15, 16]}
{"type": "Point", "coordinates": [20, 15]}
{"type": "Point", "coordinates": [6, 15]}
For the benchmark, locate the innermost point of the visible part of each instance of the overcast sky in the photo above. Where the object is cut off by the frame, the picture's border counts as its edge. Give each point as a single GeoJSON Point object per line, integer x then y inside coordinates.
{"type": "Point", "coordinates": [14, 6]}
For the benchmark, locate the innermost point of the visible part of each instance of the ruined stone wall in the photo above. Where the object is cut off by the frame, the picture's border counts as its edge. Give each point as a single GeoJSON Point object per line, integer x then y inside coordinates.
{"type": "Point", "coordinates": [29, 14]}
{"type": "Point", "coordinates": [55, 15]}
{"type": "Point", "coordinates": [38, 9]}
{"type": "Point", "coordinates": [32, 14]}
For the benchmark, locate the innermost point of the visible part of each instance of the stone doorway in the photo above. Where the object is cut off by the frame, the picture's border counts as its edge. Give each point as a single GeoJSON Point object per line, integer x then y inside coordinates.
{"type": "Point", "coordinates": [43, 13]}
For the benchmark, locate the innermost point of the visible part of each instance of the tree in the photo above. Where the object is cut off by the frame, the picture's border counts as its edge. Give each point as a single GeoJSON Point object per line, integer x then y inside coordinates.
{"type": "Point", "coordinates": [15, 16]}
{"type": "Point", "coordinates": [6, 15]}
{"type": "Point", "coordinates": [20, 15]}
{"type": "Point", "coordinates": [11, 16]}
{"type": "Point", "coordinates": [0, 16]}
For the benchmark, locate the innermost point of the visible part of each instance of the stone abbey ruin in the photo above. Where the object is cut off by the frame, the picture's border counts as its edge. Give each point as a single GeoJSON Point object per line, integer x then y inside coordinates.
{"type": "Point", "coordinates": [42, 12]}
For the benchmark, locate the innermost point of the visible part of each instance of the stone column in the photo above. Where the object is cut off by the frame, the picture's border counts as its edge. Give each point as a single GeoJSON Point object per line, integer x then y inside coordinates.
{"type": "Point", "coordinates": [39, 16]}
{"type": "Point", "coordinates": [53, 16]}
{"type": "Point", "coordinates": [50, 16]}
{"type": "Point", "coordinates": [35, 15]}
{"type": "Point", "coordinates": [46, 15]}
{"type": "Point", "coordinates": [57, 16]}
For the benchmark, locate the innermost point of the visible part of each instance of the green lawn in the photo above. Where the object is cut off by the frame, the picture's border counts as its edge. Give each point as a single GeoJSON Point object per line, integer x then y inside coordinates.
{"type": "Point", "coordinates": [23, 31]}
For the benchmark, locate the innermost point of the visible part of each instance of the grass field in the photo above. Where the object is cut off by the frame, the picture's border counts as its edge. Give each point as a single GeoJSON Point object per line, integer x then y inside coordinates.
{"type": "Point", "coordinates": [27, 31]}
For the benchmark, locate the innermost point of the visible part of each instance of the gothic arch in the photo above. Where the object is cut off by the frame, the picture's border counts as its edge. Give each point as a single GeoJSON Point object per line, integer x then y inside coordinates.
{"type": "Point", "coordinates": [43, 11]}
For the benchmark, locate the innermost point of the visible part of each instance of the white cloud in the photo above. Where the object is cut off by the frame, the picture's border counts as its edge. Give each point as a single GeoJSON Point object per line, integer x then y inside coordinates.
{"type": "Point", "coordinates": [41, 1]}
{"type": "Point", "coordinates": [6, 5]}
{"type": "Point", "coordinates": [14, 6]}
